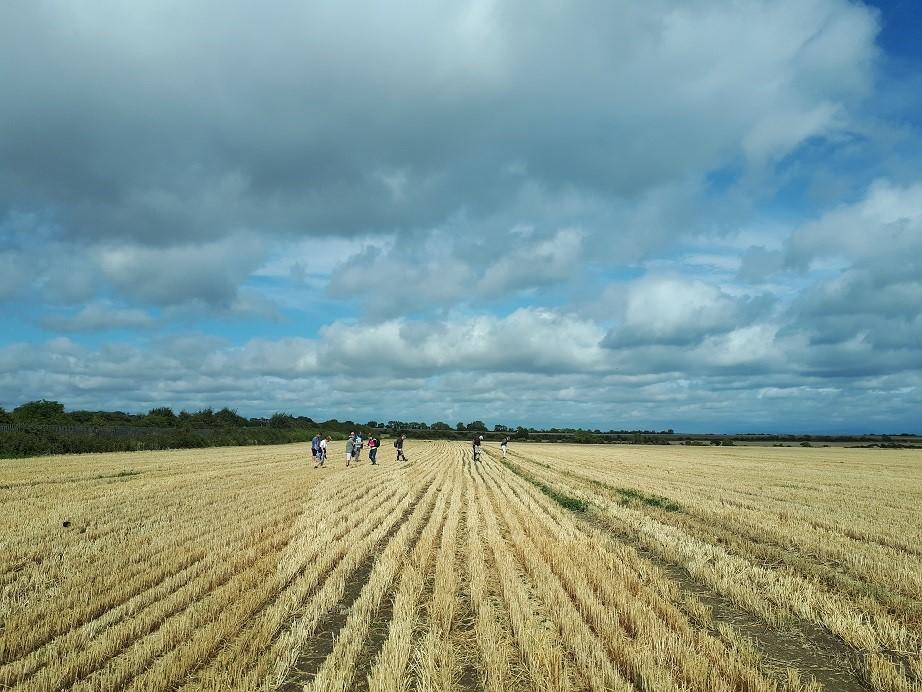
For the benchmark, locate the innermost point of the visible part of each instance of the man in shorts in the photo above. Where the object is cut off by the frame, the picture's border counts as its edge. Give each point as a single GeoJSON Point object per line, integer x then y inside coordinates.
{"type": "Point", "coordinates": [504, 445]}
{"type": "Point", "coordinates": [350, 448]}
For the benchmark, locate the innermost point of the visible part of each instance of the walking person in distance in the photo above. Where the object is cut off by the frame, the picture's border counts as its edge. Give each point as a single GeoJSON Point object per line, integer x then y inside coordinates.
{"type": "Point", "coordinates": [373, 444]}
{"type": "Point", "coordinates": [504, 445]}
{"type": "Point", "coordinates": [398, 444]}
{"type": "Point", "coordinates": [350, 448]}
{"type": "Point", "coordinates": [322, 451]}
{"type": "Point", "coordinates": [315, 449]}
{"type": "Point", "coordinates": [357, 447]}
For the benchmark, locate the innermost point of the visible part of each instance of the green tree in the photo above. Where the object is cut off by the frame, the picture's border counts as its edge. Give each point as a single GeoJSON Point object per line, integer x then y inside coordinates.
{"type": "Point", "coordinates": [204, 418]}
{"type": "Point", "coordinates": [477, 426]}
{"type": "Point", "coordinates": [41, 411]}
{"type": "Point", "coordinates": [460, 427]}
{"type": "Point", "coordinates": [229, 418]}
{"type": "Point", "coordinates": [280, 420]}
{"type": "Point", "coordinates": [162, 417]}
{"type": "Point", "coordinates": [440, 426]}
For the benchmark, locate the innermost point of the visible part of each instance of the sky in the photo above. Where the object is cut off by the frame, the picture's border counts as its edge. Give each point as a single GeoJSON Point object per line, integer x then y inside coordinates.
{"type": "Point", "coordinates": [700, 215]}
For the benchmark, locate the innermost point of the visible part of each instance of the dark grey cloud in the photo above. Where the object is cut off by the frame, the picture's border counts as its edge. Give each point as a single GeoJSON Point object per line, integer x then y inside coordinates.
{"type": "Point", "coordinates": [165, 122]}
{"type": "Point", "coordinates": [211, 272]}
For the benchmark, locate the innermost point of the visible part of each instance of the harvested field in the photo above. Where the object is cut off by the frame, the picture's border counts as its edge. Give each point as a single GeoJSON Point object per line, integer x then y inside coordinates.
{"type": "Point", "coordinates": [561, 567]}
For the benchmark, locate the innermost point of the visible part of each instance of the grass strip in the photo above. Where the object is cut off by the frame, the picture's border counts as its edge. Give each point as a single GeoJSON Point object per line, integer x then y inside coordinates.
{"type": "Point", "coordinates": [633, 495]}
{"type": "Point", "coordinates": [574, 504]}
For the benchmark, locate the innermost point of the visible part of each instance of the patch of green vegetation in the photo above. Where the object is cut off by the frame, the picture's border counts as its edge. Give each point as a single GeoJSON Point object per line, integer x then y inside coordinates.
{"type": "Point", "coordinates": [124, 473]}
{"type": "Point", "coordinates": [574, 504]}
{"type": "Point", "coordinates": [629, 495]}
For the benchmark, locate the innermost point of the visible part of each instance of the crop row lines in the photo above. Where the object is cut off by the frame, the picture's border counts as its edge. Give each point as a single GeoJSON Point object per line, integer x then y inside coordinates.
{"type": "Point", "coordinates": [335, 672]}
{"type": "Point", "coordinates": [90, 611]}
{"type": "Point", "coordinates": [770, 593]}
{"type": "Point", "coordinates": [287, 647]}
{"type": "Point", "coordinates": [319, 542]}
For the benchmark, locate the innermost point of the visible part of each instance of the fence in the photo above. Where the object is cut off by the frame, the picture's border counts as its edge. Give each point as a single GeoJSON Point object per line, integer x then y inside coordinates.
{"type": "Point", "coordinates": [101, 430]}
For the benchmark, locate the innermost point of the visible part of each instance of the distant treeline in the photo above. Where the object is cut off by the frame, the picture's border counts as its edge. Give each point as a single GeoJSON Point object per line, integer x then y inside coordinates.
{"type": "Point", "coordinates": [44, 427]}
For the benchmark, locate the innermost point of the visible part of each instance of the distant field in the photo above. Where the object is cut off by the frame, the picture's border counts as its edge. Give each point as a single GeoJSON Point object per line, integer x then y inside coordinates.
{"type": "Point", "coordinates": [564, 567]}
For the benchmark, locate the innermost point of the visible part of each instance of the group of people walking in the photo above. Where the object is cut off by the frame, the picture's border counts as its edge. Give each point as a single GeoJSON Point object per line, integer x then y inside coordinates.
{"type": "Point", "coordinates": [354, 445]}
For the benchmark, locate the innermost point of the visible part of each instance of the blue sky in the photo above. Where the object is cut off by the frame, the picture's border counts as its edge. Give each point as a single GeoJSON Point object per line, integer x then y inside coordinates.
{"type": "Point", "coordinates": [704, 216]}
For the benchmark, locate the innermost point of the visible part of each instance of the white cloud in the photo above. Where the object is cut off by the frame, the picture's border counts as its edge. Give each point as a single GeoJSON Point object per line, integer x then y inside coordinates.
{"type": "Point", "coordinates": [887, 222]}
{"type": "Point", "coordinates": [671, 309]}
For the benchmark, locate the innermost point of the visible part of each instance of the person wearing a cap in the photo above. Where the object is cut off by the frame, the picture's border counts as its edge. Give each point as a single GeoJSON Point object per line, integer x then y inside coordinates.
{"type": "Point", "coordinates": [476, 445]}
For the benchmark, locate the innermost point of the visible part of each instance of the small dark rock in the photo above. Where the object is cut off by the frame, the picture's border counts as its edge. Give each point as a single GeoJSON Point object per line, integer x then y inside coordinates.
{"type": "Point", "coordinates": [66, 524]}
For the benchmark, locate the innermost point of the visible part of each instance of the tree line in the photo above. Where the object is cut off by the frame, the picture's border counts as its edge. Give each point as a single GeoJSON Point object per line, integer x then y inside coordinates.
{"type": "Point", "coordinates": [45, 427]}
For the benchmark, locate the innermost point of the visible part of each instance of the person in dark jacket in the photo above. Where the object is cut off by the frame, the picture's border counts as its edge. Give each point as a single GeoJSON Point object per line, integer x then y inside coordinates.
{"type": "Point", "coordinates": [475, 445]}
{"type": "Point", "coordinates": [373, 444]}
{"type": "Point", "coordinates": [315, 449]}
{"type": "Point", "coordinates": [398, 444]}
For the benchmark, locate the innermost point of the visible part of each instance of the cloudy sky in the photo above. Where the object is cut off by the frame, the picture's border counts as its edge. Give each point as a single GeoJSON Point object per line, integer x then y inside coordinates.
{"type": "Point", "coordinates": [700, 215]}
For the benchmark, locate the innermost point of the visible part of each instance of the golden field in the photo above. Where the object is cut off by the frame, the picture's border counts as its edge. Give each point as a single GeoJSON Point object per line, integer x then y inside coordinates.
{"type": "Point", "coordinates": [562, 567]}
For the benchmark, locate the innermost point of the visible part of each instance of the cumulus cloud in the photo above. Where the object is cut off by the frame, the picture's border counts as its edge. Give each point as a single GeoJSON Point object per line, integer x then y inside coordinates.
{"type": "Point", "coordinates": [349, 121]}
{"type": "Point", "coordinates": [885, 223]}
{"type": "Point", "coordinates": [211, 272]}
{"type": "Point", "coordinates": [525, 341]}
{"type": "Point", "coordinates": [431, 207]}
{"type": "Point", "coordinates": [731, 382]}
{"type": "Point", "coordinates": [868, 312]}
{"type": "Point", "coordinates": [442, 269]}
{"type": "Point", "coordinates": [675, 310]}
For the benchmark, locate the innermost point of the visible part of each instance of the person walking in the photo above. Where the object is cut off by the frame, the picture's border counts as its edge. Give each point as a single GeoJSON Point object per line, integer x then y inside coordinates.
{"type": "Point", "coordinates": [475, 445]}
{"type": "Point", "coordinates": [315, 449]}
{"type": "Point", "coordinates": [322, 451]}
{"type": "Point", "coordinates": [357, 448]}
{"type": "Point", "coordinates": [398, 443]}
{"type": "Point", "coordinates": [504, 445]}
{"type": "Point", "coordinates": [350, 448]}
{"type": "Point", "coordinates": [373, 445]}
